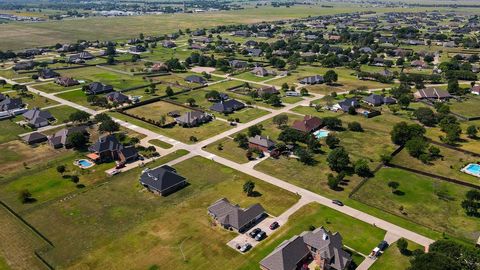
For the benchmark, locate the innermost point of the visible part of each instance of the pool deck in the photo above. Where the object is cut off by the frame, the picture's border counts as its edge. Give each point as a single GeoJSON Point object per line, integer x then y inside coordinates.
{"type": "Point", "coordinates": [466, 170]}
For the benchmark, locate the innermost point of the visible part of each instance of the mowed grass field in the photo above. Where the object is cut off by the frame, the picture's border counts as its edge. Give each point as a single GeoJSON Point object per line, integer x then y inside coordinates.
{"type": "Point", "coordinates": [26, 35]}
{"type": "Point", "coordinates": [95, 74]}
{"type": "Point", "coordinates": [10, 130]}
{"type": "Point", "coordinates": [427, 201]}
{"type": "Point", "coordinates": [135, 229]}
{"type": "Point", "coordinates": [392, 259]}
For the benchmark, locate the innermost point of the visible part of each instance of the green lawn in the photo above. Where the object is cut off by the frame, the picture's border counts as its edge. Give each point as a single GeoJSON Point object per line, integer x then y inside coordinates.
{"type": "Point", "coordinates": [61, 113]}
{"type": "Point", "coordinates": [160, 144]}
{"type": "Point", "coordinates": [149, 228]}
{"type": "Point", "coordinates": [53, 87]}
{"type": "Point", "coordinates": [468, 107]}
{"type": "Point", "coordinates": [249, 76]}
{"type": "Point", "coordinates": [392, 259]}
{"type": "Point", "coordinates": [34, 100]}
{"type": "Point", "coordinates": [79, 97]}
{"type": "Point", "coordinates": [229, 150]}
{"type": "Point", "coordinates": [10, 130]}
{"type": "Point", "coordinates": [430, 202]}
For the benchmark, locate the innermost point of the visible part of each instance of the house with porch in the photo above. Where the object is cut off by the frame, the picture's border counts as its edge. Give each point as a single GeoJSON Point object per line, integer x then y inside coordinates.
{"type": "Point", "coordinates": [233, 217]}
{"type": "Point", "coordinates": [108, 148]}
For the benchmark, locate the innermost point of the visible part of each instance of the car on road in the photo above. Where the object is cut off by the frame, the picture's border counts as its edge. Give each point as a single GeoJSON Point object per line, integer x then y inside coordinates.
{"type": "Point", "coordinates": [337, 202]}
{"type": "Point", "coordinates": [254, 232]}
{"type": "Point", "coordinates": [245, 247]}
{"type": "Point", "coordinates": [260, 236]}
{"type": "Point", "coordinates": [274, 225]}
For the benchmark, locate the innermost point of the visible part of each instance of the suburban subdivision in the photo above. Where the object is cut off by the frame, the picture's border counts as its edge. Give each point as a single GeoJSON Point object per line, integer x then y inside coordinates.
{"type": "Point", "coordinates": [240, 135]}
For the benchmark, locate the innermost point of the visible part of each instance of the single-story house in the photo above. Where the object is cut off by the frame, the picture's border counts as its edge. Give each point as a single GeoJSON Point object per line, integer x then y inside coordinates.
{"type": "Point", "coordinates": [418, 64]}
{"type": "Point", "coordinates": [432, 93]}
{"type": "Point", "coordinates": [322, 247]}
{"type": "Point", "coordinates": [193, 118]}
{"type": "Point", "coordinates": [262, 72]}
{"type": "Point", "coordinates": [238, 64]}
{"type": "Point", "coordinates": [196, 79]}
{"type": "Point", "coordinates": [475, 90]}
{"type": "Point", "coordinates": [96, 88]}
{"type": "Point", "coordinates": [66, 81]}
{"type": "Point", "coordinates": [108, 148]}
{"type": "Point", "coordinates": [169, 44]}
{"type": "Point", "coordinates": [163, 180]}
{"type": "Point", "coordinates": [235, 218]}
{"type": "Point", "coordinates": [117, 97]}
{"type": "Point", "coordinates": [38, 118]}
{"type": "Point", "coordinates": [60, 138]}
{"type": "Point", "coordinates": [47, 73]}
{"type": "Point", "coordinates": [346, 104]}
{"type": "Point", "coordinates": [9, 104]}
{"type": "Point", "coordinates": [227, 106]}
{"type": "Point", "coordinates": [317, 79]}
{"type": "Point", "coordinates": [261, 143]}
{"type": "Point", "coordinates": [308, 124]}
{"type": "Point", "coordinates": [25, 65]}
{"type": "Point", "coordinates": [378, 100]}
{"type": "Point", "coordinates": [137, 49]}
{"type": "Point", "coordinates": [34, 137]}
{"type": "Point", "coordinates": [267, 90]}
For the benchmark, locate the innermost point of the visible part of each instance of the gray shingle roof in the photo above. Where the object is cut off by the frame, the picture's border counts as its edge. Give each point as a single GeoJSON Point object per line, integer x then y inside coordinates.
{"type": "Point", "coordinates": [287, 255]}
{"type": "Point", "coordinates": [161, 179]}
{"type": "Point", "coordinates": [227, 106]}
{"type": "Point", "coordinates": [233, 215]}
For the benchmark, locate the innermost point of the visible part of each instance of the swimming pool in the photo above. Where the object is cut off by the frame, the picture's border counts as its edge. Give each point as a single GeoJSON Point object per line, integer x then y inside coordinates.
{"type": "Point", "coordinates": [321, 133]}
{"type": "Point", "coordinates": [473, 169]}
{"type": "Point", "coordinates": [84, 163]}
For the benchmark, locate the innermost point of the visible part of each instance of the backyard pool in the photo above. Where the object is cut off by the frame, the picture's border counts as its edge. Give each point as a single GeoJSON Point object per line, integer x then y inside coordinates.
{"type": "Point", "coordinates": [473, 169]}
{"type": "Point", "coordinates": [84, 163]}
{"type": "Point", "coordinates": [321, 133]}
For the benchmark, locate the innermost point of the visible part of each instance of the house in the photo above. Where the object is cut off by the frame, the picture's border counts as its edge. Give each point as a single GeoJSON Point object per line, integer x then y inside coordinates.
{"type": "Point", "coordinates": [47, 73]}
{"type": "Point", "coordinates": [308, 124]}
{"type": "Point", "coordinates": [38, 118]}
{"type": "Point", "coordinates": [261, 143]}
{"type": "Point", "coordinates": [117, 97]}
{"type": "Point", "coordinates": [159, 67]}
{"type": "Point", "coordinates": [34, 137]}
{"type": "Point", "coordinates": [262, 72]}
{"type": "Point", "coordinates": [418, 64]}
{"type": "Point", "coordinates": [137, 49]}
{"type": "Point", "coordinates": [66, 81]}
{"type": "Point", "coordinates": [238, 64]}
{"type": "Point", "coordinates": [378, 100]}
{"type": "Point", "coordinates": [60, 138]}
{"type": "Point", "coordinates": [227, 106]}
{"type": "Point", "coordinates": [346, 104]}
{"type": "Point", "coordinates": [431, 93]}
{"type": "Point", "coordinates": [193, 118]}
{"type": "Point", "coordinates": [79, 57]}
{"type": "Point", "coordinates": [196, 79]}
{"type": "Point", "coordinates": [96, 88]}
{"type": "Point", "coordinates": [475, 90]}
{"type": "Point", "coordinates": [366, 50]}
{"type": "Point", "coordinates": [163, 180]}
{"type": "Point", "coordinates": [10, 104]}
{"type": "Point", "coordinates": [267, 90]}
{"type": "Point", "coordinates": [108, 148]}
{"type": "Point", "coordinates": [254, 52]}
{"type": "Point", "coordinates": [250, 43]}
{"type": "Point", "coordinates": [25, 65]}
{"type": "Point", "coordinates": [169, 44]}
{"type": "Point", "coordinates": [317, 79]}
{"type": "Point", "coordinates": [320, 246]}
{"type": "Point", "coordinates": [233, 217]}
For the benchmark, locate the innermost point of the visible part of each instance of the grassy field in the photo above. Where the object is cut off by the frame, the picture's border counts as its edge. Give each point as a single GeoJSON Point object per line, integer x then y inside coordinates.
{"type": "Point", "coordinates": [53, 87]}
{"type": "Point", "coordinates": [10, 130]}
{"type": "Point", "coordinates": [79, 97]}
{"type": "Point", "coordinates": [61, 113]}
{"type": "Point", "coordinates": [449, 165]}
{"type": "Point", "coordinates": [34, 100]}
{"type": "Point", "coordinates": [27, 35]}
{"type": "Point", "coordinates": [468, 107]}
{"type": "Point", "coordinates": [430, 202]}
{"type": "Point", "coordinates": [392, 259]}
{"type": "Point", "coordinates": [149, 226]}
{"type": "Point", "coordinates": [161, 144]}
{"type": "Point", "coordinates": [229, 150]}
{"type": "Point", "coordinates": [156, 110]}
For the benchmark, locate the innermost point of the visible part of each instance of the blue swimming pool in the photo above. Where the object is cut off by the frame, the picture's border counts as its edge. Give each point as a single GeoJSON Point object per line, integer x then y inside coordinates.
{"type": "Point", "coordinates": [83, 163]}
{"type": "Point", "coordinates": [321, 133]}
{"type": "Point", "coordinates": [473, 169]}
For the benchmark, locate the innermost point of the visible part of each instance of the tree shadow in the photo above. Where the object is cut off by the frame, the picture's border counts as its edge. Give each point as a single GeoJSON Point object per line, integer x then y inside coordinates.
{"type": "Point", "coordinates": [399, 193]}
{"type": "Point", "coordinates": [255, 194]}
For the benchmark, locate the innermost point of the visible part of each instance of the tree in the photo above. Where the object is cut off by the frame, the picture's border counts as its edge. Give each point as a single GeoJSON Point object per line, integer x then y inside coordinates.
{"type": "Point", "coordinates": [426, 116]}
{"type": "Point", "coordinates": [75, 179]}
{"type": "Point", "coordinates": [404, 101]}
{"type": "Point", "coordinates": [248, 187]}
{"type": "Point", "coordinates": [79, 116]}
{"type": "Point", "coordinates": [304, 92]}
{"type": "Point", "coordinates": [242, 140]}
{"type": "Point", "coordinates": [101, 117]}
{"type": "Point", "coordinates": [61, 169]}
{"type": "Point", "coordinates": [25, 196]}
{"type": "Point", "coordinates": [402, 132]}
{"type": "Point", "coordinates": [361, 168]}
{"type": "Point", "coordinates": [191, 102]}
{"type": "Point", "coordinates": [254, 131]}
{"type": "Point", "coordinates": [169, 91]}
{"type": "Point", "coordinates": [393, 185]}
{"type": "Point", "coordinates": [453, 86]}
{"type": "Point", "coordinates": [330, 77]}
{"type": "Point", "coordinates": [332, 141]}
{"type": "Point", "coordinates": [332, 123]}
{"type": "Point", "coordinates": [416, 146]}
{"type": "Point", "coordinates": [334, 181]}
{"type": "Point", "coordinates": [77, 140]}
{"type": "Point", "coordinates": [433, 261]}
{"type": "Point", "coordinates": [402, 245]}
{"type": "Point", "coordinates": [471, 204]}
{"type": "Point", "coordinates": [274, 100]}
{"type": "Point", "coordinates": [109, 126]}
{"type": "Point", "coordinates": [355, 126]}
{"type": "Point", "coordinates": [212, 95]}
{"type": "Point", "coordinates": [290, 135]}
{"type": "Point", "coordinates": [280, 120]}
{"type": "Point", "coordinates": [472, 131]}
{"type": "Point", "coordinates": [305, 156]}
{"type": "Point", "coordinates": [338, 159]}
{"type": "Point", "coordinates": [110, 60]}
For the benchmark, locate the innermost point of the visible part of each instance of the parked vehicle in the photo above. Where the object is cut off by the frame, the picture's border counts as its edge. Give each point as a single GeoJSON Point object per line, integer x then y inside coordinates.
{"type": "Point", "coordinates": [383, 245]}
{"type": "Point", "coordinates": [337, 202]}
{"type": "Point", "coordinates": [245, 247]}
{"type": "Point", "coordinates": [260, 236]}
{"type": "Point", "coordinates": [254, 232]}
{"type": "Point", "coordinates": [274, 225]}
{"type": "Point", "coordinates": [114, 172]}
{"type": "Point", "coordinates": [120, 165]}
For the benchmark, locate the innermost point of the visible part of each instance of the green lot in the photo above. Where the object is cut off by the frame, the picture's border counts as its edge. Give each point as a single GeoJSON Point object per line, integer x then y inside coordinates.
{"type": "Point", "coordinates": [95, 74]}
{"type": "Point", "coordinates": [10, 130]}
{"type": "Point", "coordinates": [61, 113]}
{"type": "Point", "coordinates": [54, 88]}
{"type": "Point", "coordinates": [161, 144]}
{"type": "Point", "coordinates": [430, 202]}
{"type": "Point", "coordinates": [468, 107]}
{"type": "Point", "coordinates": [392, 259]}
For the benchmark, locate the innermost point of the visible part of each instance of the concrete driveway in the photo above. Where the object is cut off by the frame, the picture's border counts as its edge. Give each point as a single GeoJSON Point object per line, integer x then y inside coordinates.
{"type": "Point", "coordinates": [244, 238]}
